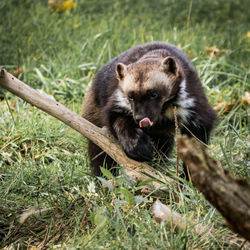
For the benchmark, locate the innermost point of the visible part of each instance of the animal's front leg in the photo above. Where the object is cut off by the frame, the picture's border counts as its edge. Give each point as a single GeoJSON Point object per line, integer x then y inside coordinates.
{"type": "Point", "coordinates": [135, 143]}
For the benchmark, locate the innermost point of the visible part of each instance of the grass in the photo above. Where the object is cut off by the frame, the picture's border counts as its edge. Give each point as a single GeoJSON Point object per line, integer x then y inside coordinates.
{"type": "Point", "coordinates": [43, 163]}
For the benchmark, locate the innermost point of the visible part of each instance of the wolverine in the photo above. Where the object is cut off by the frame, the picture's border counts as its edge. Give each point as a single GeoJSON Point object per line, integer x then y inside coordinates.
{"type": "Point", "coordinates": [134, 96]}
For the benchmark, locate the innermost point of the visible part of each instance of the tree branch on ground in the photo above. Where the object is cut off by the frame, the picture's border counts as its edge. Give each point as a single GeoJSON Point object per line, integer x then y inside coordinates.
{"type": "Point", "coordinates": [229, 195]}
{"type": "Point", "coordinates": [136, 170]}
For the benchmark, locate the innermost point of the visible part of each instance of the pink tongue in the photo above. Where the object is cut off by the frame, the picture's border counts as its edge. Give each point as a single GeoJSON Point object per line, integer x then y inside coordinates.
{"type": "Point", "coordinates": [145, 123]}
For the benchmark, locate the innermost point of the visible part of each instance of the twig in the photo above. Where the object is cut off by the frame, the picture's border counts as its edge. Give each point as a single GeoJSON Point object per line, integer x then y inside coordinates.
{"type": "Point", "coordinates": [194, 136]}
{"type": "Point", "coordinates": [176, 135]}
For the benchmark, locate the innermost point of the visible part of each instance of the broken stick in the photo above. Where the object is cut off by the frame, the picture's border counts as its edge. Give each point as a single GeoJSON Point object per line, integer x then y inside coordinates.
{"type": "Point", "coordinates": [136, 170]}
{"type": "Point", "coordinates": [229, 195]}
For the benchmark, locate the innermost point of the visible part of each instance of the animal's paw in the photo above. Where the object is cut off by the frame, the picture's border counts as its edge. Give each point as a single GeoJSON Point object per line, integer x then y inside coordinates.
{"type": "Point", "coordinates": [139, 147]}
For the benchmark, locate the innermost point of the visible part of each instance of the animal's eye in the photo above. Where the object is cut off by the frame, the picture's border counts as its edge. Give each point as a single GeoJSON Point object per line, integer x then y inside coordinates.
{"type": "Point", "coordinates": [131, 96]}
{"type": "Point", "coordinates": [154, 94]}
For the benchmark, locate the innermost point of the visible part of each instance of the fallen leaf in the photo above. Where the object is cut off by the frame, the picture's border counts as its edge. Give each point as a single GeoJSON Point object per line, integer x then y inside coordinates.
{"type": "Point", "coordinates": [225, 107]}
{"type": "Point", "coordinates": [214, 51]}
{"type": "Point", "coordinates": [17, 71]}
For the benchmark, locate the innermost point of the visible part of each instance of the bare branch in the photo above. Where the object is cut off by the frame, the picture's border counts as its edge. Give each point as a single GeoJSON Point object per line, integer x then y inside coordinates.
{"type": "Point", "coordinates": [229, 195]}
{"type": "Point", "coordinates": [98, 135]}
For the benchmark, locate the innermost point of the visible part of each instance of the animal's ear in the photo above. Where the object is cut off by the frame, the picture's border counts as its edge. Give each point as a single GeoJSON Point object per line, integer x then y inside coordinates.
{"type": "Point", "coordinates": [121, 70]}
{"type": "Point", "coordinates": [169, 65]}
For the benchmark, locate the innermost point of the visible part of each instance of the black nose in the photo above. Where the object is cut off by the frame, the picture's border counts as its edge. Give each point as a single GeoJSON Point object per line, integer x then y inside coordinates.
{"type": "Point", "coordinates": [139, 118]}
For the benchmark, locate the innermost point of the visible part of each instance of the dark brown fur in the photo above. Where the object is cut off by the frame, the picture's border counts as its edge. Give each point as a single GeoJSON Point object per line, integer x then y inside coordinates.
{"type": "Point", "coordinates": [147, 81]}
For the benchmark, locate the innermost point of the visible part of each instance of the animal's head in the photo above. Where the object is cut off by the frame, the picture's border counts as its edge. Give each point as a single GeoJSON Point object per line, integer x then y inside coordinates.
{"type": "Point", "coordinates": [147, 85]}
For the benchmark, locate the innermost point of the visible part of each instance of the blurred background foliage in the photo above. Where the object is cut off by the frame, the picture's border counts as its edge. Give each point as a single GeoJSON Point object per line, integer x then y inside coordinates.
{"type": "Point", "coordinates": [29, 27]}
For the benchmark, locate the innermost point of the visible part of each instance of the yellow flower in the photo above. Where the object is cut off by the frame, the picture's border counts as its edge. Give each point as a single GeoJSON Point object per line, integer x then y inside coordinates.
{"type": "Point", "coordinates": [248, 34]}
{"type": "Point", "coordinates": [59, 5]}
{"type": "Point", "coordinates": [69, 4]}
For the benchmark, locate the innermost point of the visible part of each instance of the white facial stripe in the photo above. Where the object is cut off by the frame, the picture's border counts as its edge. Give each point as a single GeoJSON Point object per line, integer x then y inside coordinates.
{"type": "Point", "coordinates": [156, 78]}
{"type": "Point", "coordinates": [128, 83]}
{"type": "Point", "coordinates": [184, 101]}
{"type": "Point", "coordinates": [121, 100]}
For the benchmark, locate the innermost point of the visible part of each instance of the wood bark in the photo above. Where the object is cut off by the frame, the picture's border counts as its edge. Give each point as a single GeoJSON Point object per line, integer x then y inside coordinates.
{"type": "Point", "coordinates": [136, 170]}
{"type": "Point", "coordinates": [229, 195]}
